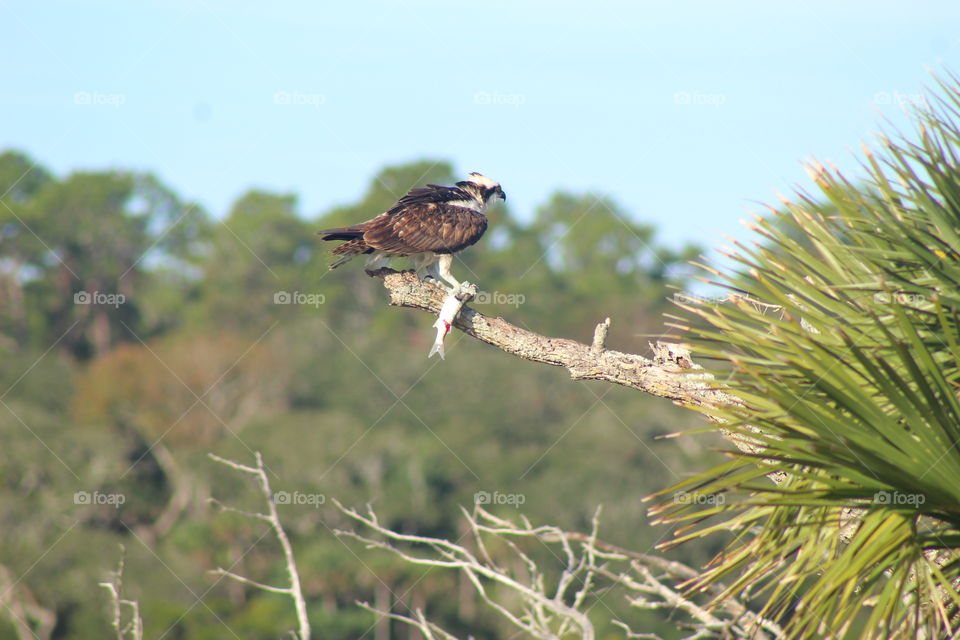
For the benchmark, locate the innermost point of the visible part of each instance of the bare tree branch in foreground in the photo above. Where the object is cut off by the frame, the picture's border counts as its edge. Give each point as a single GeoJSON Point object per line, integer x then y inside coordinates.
{"type": "Point", "coordinates": [134, 626]}
{"type": "Point", "coordinates": [588, 569]}
{"type": "Point", "coordinates": [273, 519]}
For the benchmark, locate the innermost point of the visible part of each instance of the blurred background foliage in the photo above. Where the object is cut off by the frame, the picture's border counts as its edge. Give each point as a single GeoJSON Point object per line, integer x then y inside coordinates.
{"type": "Point", "coordinates": [126, 395]}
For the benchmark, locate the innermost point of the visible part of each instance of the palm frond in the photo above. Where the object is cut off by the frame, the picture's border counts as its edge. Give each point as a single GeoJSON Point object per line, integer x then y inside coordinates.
{"type": "Point", "coordinates": [851, 386]}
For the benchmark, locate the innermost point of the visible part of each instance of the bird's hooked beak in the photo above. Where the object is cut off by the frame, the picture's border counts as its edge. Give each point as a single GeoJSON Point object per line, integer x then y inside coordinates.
{"type": "Point", "coordinates": [500, 193]}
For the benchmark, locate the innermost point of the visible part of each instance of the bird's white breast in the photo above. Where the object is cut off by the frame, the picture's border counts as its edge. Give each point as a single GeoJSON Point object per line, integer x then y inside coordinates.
{"type": "Point", "coordinates": [467, 204]}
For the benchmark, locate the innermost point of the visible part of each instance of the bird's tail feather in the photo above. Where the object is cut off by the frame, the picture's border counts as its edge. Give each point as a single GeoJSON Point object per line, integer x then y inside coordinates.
{"type": "Point", "coordinates": [354, 245]}
{"type": "Point", "coordinates": [341, 260]}
{"type": "Point", "coordinates": [348, 250]}
{"type": "Point", "coordinates": [341, 233]}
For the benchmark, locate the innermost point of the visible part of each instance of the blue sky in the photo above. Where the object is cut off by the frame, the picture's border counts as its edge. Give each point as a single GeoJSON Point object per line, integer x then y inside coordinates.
{"type": "Point", "coordinates": [684, 112]}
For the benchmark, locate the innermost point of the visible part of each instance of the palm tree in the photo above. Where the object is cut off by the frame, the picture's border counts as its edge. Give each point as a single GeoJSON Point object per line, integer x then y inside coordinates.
{"type": "Point", "coordinates": [842, 334]}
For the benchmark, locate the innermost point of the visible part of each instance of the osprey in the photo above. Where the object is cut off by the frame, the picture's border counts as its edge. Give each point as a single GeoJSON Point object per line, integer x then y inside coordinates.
{"type": "Point", "coordinates": [428, 225]}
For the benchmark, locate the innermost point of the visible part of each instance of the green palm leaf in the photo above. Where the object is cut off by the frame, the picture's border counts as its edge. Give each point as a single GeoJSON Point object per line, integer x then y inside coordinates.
{"type": "Point", "coordinates": [844, 344]}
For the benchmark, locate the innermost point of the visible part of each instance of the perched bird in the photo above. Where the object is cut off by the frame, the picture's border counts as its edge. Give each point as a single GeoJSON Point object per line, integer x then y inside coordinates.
{"type": "Point", "coordinates": [428, 225]}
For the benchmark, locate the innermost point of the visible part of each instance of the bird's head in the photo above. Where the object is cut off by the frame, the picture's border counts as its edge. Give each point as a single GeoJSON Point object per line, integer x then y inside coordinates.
{"type": "Point", "coordinates": [488, 191]}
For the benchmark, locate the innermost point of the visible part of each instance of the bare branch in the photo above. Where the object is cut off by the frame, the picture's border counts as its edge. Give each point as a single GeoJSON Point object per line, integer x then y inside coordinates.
{"type": "Point", "coordinates": [243, 512]}
{"type": "Point", "coordinates": [259, 585]}
{"type": "Point", "coordinates": [647, 582]}
{"type": "Point", "coordinates": [235, 465]}
{"type": "Point", "coordinates": [134, 627]}
{"type": "Point", "coordinates": [664, 376]}
{"type": "Point", "coordinates": [670, 374]}
{"type": "Point", "coordinates": [541, 611]}
{"type": "Point", "coordinates": [600, 337]}
{"type": "Point", "coordinates": [632, 635]}
{"type": "Point", "coordinates": [430, 630]}
{"type": "Point", "coordinates": [273, 518]}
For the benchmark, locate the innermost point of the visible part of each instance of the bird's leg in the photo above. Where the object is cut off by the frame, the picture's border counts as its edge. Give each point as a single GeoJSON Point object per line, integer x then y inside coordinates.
{"type": "Point", "coordinates": [444, 264]}
{"type": "Point", "coordinates": [377, 261]}
{"type": "Point", "coordinates": [432, 272]}
{"type": "Point", "coordinates": [425, 267]}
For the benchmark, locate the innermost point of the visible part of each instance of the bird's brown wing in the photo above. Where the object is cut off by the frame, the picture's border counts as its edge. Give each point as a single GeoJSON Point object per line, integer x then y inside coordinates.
{"type": "Point", "coordinates": [425, 227]}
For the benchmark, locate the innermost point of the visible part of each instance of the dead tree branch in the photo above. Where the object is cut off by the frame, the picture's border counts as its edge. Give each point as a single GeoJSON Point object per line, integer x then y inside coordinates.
{"type": "Point", "coordinates": [584, 570]}
{"type": "Point", "coordinates": [133, 628]}
{"type": "Point", "coordinates": [273, 519]}
{"type": "Point", "coordinates": [670, 374]}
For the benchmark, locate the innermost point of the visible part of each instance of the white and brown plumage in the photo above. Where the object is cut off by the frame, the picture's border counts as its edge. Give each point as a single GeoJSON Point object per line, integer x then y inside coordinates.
{"type": "Point", "coordinates": [428, 225]}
